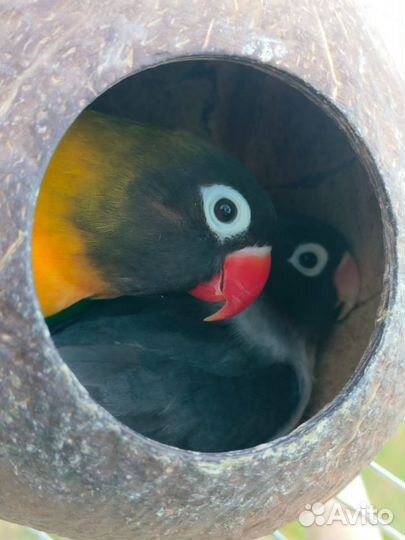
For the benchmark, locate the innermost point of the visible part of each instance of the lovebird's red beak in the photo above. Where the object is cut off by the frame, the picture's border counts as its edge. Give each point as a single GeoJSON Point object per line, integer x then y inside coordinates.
{"type": "Point", "coordinates": [347, 283]}
{"type": "Point", "coordinates": [239, 284]}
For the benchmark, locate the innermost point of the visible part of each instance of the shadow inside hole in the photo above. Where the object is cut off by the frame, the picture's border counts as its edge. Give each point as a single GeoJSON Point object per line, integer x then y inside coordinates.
{"type": "Point", "coordinates": [297, 151]}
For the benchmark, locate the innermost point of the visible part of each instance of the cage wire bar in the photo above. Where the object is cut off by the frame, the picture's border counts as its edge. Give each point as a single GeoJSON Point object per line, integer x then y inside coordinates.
{"type": "Point", "coordinates": [277, 535]}
{"type": "Point", "coordinates": [39, 535]}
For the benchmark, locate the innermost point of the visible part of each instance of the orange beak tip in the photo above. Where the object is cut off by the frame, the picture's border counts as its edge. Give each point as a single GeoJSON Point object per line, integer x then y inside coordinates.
{"type": "Point", "coordinates": [217, 316]}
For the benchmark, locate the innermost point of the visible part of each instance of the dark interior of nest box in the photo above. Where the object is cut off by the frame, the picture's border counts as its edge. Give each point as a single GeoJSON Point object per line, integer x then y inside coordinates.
{"type": "Point", "coordinates": [297, 150]}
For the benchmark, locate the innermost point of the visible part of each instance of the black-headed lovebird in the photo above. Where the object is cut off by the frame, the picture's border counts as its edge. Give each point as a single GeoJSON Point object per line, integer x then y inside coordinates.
{"type": "Point", "coordinates": [128, 209]}
{"type": "Point", "coordinates": [159, 369]}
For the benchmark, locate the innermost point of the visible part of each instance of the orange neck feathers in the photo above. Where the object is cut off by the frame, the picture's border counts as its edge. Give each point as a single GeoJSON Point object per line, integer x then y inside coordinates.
{"type": "Point", "coordinates": [63, 272]}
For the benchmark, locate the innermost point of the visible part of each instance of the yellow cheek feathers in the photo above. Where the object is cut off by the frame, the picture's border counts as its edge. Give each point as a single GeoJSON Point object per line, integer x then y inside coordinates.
{"type": "Point", "coordinates": [63, 272]}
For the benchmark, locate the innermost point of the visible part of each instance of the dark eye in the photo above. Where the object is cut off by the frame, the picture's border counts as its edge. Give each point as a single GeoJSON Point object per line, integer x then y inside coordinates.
{"type": "Point", "coordinates": [225, 210]}
{"type": "Point", "coordinates": [309, 259]}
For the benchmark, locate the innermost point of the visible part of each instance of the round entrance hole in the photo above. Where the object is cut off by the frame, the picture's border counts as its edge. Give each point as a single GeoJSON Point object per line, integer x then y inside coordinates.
{"type": "Point", "coordinates": [300, 149]}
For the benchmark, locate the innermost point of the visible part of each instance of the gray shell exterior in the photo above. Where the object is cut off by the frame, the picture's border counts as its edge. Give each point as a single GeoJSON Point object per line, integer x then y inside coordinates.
{"type": "Point", "coordinates": [66, 465]}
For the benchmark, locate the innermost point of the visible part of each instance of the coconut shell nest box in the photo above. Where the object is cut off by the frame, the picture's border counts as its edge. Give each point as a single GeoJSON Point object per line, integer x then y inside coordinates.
{"type": "Point", "coordinates": [298, 92]}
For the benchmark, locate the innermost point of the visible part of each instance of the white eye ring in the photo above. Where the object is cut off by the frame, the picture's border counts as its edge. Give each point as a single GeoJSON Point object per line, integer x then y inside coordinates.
{"type": "Point", "coordinates": [239, 224]}
{"type": "Point", "coordinates": [314, 249]}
